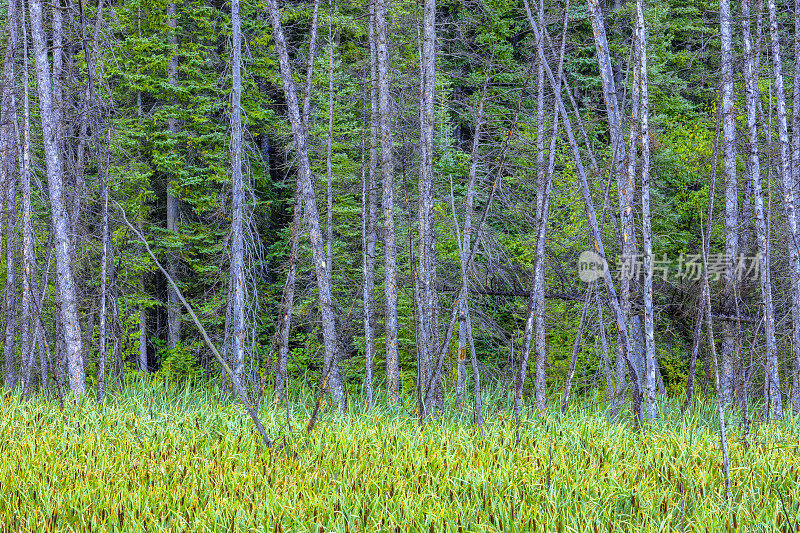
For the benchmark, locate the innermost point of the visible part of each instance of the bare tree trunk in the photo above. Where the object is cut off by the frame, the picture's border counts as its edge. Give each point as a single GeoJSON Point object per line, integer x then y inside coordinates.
{"type": "Point", "coordinates": [536, 302]}
{"type": "Point", "coordinates": [576, 349]}
{"type": "Point", "coordinates": [55, 180]}
{"type": "Point", "coordinates": [625, 187]}
{"type": "Point", "coordinates": [729, 340]}
{"type": "Point", "coordinates": [784, 173]}
{"type": "Point", "coordinates": [796, 174]}
{"type": "Point", "coordinates": [592, 218]}
{"type": "Point", "coordinates": [427, 247]}
{"type": "Point", "coordinates": [604, 340]}
{"type": "Point", "coordinates": [331, 364]}
{"type": "Point", "coordinates": [753, 94]}
{"type": "Point", "coordinates": [8, 180]}
{"type": "Point", "coordinates": [723, 435]}
{"type": "Point", "coordinates": [281, 393]}
{"type": "Point", "coordinates": [387, 199]}
{"type": "Point", "coordinates": [329, 158]}
{"type": "Point", "coordinates": [142, 359]}
{"type": "Point", "coordinates": [651, 365]}
{"type": "Point", "coordinates": [369, 214]}
{"type": "Point", "coordinates": [104, 297]}
{"type": "Point", "coordinates": [237, 229]}
{"type": "Point", "coordinates": [464, 332]}
{"type": "Point", "coordinates": [173, 205]}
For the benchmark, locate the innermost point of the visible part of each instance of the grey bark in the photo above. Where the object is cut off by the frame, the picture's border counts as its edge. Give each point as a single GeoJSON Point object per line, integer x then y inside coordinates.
{"type": "Point", "coordinates": [427, 248]}
{"type": "Point", "coordinates": [576, 349]}
{"type": "Point", "coordinates": [369, 216]}
{"type": "Point", "coordinates": [651, 365]}
{"type": "Point", "coordinates": [331, 364]}
{"type": "Point", "coordinates": [464, 331]}
{"type": "Point", "coordinates": [173, 205]}
{"type": "Point", "coordinates": [753, 95]}
{"type": "Point", "coordinates": [625, 187]}
{"type": "Point", "coordinates": [329, 155]}
{"type": "Point", "coordinates": [237, 281]}
{"type": "Point", "coordinates": [796, 174]}
{"type": "Point", "coordinates": [387, 199]}
{"type": "Point", "coordinates": [8, 153]}
{"type": "Point", "coordinates": [623, 339]}
{"type": "Point", "coordinates": [66, 286]}
{"type": "Point", "coordinates": [536, 302]}
{"type": "Point", "coordinates": [772, 377]}
{"type": "Point", "coordinates": [729, 337]}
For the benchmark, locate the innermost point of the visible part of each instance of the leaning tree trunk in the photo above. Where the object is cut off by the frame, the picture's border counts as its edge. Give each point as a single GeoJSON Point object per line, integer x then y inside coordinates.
{"type": "Point", "coordinates": [784, 173]}
{"type": "Point", "coordinates": [624, 187]}
{"type": "Point", "coordinates": [624, 339]}
{"type": "Point", "coordinates": [68, 312]}
{"type": "Point", "coordinates": [330, 371]}
{"type": "Point", "coordinates": [281, 391]}
{"type": "Point", "coordinates": [754, 168]}
{"type": "Point", "coordinates": [464, 330]}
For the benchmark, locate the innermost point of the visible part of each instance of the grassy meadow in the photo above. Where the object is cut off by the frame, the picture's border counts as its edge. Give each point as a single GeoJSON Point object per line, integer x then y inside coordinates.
{"type": "Point", "coordinates": [159, 457]}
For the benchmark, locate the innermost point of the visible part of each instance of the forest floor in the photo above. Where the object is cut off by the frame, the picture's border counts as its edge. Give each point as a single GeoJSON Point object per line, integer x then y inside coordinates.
{"type": "Point", "coordinates": [158, 457]}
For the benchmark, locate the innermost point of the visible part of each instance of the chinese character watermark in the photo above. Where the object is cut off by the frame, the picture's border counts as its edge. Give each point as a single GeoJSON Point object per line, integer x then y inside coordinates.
{"type": "Point", "coordinates": [687, 267]}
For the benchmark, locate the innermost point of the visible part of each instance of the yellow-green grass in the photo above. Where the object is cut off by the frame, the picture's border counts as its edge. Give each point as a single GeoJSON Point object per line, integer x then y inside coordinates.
{"type": "Point", "coordinates": [156, 458]}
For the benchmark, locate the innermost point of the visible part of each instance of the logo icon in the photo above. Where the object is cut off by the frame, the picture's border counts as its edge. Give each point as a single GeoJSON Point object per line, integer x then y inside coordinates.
{"type": "Point", "coordinates": [591, 266]}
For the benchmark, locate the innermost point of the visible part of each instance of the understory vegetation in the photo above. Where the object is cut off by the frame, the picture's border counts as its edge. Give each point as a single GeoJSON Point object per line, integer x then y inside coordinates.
{"type": "Point", "coordinates": [165, 457]}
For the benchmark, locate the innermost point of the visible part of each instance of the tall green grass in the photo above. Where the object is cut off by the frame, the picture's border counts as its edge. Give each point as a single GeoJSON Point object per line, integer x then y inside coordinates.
{"type": "Point", "coordinates": [158, 457]}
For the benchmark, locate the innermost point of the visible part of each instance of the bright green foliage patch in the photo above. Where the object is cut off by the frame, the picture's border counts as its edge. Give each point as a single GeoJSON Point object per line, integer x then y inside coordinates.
{"type": "Point", "coordinates": [172, 460]}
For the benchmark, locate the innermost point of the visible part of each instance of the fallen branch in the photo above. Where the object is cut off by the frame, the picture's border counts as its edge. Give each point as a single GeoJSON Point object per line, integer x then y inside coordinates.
{"type": "Point", "coordinates": [236, 383]}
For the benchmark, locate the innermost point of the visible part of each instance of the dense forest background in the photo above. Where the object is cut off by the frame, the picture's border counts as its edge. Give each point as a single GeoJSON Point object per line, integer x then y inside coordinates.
{"type": "Point", "coordinates": [443, 177]}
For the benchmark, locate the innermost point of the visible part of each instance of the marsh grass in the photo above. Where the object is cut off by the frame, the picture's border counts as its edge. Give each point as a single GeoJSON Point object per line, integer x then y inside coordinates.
{"type": "Point", "coordinates": [160, 457]}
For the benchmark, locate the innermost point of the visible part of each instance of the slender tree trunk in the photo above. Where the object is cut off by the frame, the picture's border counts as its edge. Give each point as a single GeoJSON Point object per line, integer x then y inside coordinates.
{"type": "Point", "coordinates": [754, 169]}
{"type": "Point", "coordinates": [329, 155]}
{"type": "Point", "coordinates": [427, 247]}
{"type": "Point", "coordinates": [28, 251]}
{"type": "Point", "coordinates": [543, 175]}
{"type": "Point", "coordinates": [536, 302]}
{"type": "Point", "coordinates": [624, 187]}
{"type": "Point", "coordinates": [281, 393]}
{"type": "Point", "coordinates": [604, 341]}
{"type": "Point", "coordinates": [104, 299]}
{"type": "Point", "coordinates": [784, 173]}
{"type": "Point", "coordinates": [723, 434]}
{"type": "Point", "coordinates": [330, 372]}
{"type": "Point", "coordinates": [796, 175]}
{"type": "Point", "coordinates": [173, 205]}
{"type": "Point", "coordinates": [8, 180]}
{"type": "Point", "coordinates": [624, 340]}
{"type": "Point", "coordinates": [729, 341]}
{"type": "Point", "coordinates": [651, 366]}
{"type": "Point", "coordinates": [237, 229]}
{"type": "Point", "coordinates": [142, 359]}
{"type": "Point", "coordinates": [576, 349]}
{"type": "Point", "coordinates": [387, 199]}
{"type": "Point", "coordinates": [464, 332]}
{"type": "Point", "coordinates": [369, 216]}
{"type": "Point", "coordinates": [55, 179]}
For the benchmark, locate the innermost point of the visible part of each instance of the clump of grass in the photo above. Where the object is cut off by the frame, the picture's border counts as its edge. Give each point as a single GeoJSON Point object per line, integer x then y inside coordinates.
{"type": "Point", "coordinates": [159, 457]}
